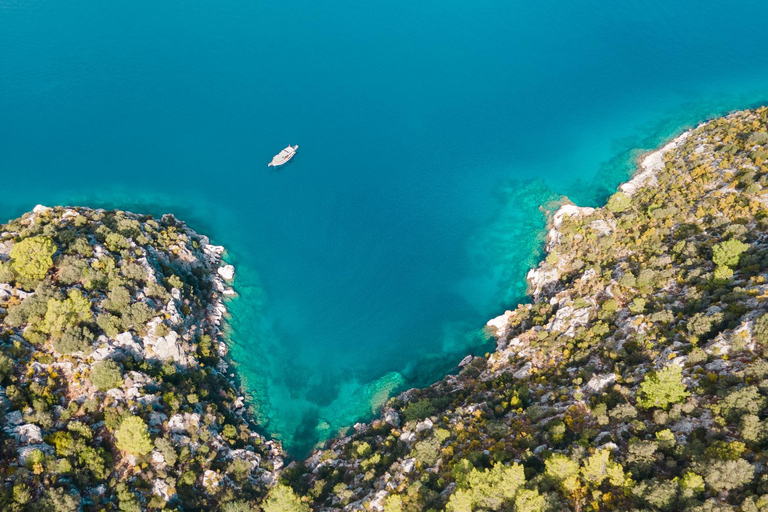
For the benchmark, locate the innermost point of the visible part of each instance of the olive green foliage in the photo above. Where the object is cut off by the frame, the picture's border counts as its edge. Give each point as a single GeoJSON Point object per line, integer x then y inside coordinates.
{"type": "Point", "coordinates": [106, 375]}
{"type": "Point", "coordinates": [281, 498]}
{"type": "Point", "coordinates": [32, 257]}
{"type": "Point", "coordinates": [133, 437]}
{"type": "Point", "coordinates": [662, 388]}
{"type": "Point", "coordinates": [726, 475]}
{"type": "Point", "coordinates": [727, 253]}
{"type": "Point", "coordinates": [619, 202]}
{"type": "Point", "coordinates": [66, 314]}
{"type": "Point", "coordinates": [491, 489]}
{"type": "Point", "coordinates": [74, 339]}
{"type": "Point", "coordinates": [6, 272]}
{"type": "Point", "coordinates": [419, 410]}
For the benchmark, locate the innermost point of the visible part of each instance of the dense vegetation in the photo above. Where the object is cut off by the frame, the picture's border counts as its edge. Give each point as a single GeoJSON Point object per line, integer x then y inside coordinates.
{"type": "Point", "coordinates": [637, 379]}
{"type": "Point", "coordinates": [114, 395]}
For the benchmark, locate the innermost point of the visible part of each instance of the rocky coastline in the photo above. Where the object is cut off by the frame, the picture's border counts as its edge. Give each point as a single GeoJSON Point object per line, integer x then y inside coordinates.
{"type": "Point", "coordinates": [111, 319]}
{"type": "Point", "coordinates": [636, 378]}
{"type": "Point", "coordinates": [647, 322]}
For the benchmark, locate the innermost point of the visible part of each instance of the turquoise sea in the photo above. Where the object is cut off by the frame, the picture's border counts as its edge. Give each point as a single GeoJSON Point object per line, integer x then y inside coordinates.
{"type": "Point", "coordinates": [430, 134]}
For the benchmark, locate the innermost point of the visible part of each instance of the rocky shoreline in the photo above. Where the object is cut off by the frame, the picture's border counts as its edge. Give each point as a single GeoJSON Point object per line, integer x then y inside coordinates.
{"type": "Point", "coordinates": [642, 332]}
{"type": "Point", "coordinates": [120, 322]}
{"type": "Point", "coordinates": [636, 377]}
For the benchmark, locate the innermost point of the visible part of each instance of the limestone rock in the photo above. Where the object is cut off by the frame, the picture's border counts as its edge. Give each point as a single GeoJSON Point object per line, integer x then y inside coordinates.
{"type": "Point", "coordinates": [227, 272]}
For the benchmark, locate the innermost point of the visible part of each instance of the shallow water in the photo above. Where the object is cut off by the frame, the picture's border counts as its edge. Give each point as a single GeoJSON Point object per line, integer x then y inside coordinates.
{"type": "Point", "coordinates": [430, 133]}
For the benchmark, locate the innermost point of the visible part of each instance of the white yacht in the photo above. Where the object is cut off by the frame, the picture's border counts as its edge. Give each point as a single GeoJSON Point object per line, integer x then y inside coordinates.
{"type": "Point", "coordinates": [283, 156]}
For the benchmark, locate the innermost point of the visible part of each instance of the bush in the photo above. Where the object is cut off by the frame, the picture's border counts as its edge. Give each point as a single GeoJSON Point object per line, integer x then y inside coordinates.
{"type": "Point", "coordinates": [75, 339]}
{"type": "Point", "coordinates": [281, 498]}
{"type": "Point", "coordinates": [71, 270]}
{"type": "Point", "coordinates": [32, 257]}
{"type": "Point", "coordinates": [6, 272]}
{"type": "Point", "coordinates": [727, 253]}
{"type": "Point", "coordinates": [663, 388]}
{"type": "Point", "coordinates": [62, 315]}
{"type": "Point", "coordinates": [419, 410]}
{"type": "Point", "coordinates": [106, 375]}
{"type": "Point", "coordinates": [489, 489]}
{"type": "Point", "coordinates": [133, 436]}
{"type": "Point", "coordinates": [725, 475]}
{"type": "Point", "coordinates": [110, 324]}
{"type": "Point", "coordinates": [619, 202]}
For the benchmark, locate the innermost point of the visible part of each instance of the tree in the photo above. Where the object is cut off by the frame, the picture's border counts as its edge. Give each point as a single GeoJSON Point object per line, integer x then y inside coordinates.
{"type": "Point", "coordinates": [725, 475]}
{"type": "Point", "coordinates": [106, 375]}
{"type": "Point", "coordinates": [663, 388]}
{"type": "Point", "coordinates": [760, 330]}
{"type": "Point", "coordinates": [64, 314]}
{"type": "Point", "coordinates": [529, 501]}
{"type": "Point", "coordinates": [488, 489]}
{"type": "Point", "coordinates": [32, 257]}
{"type": "Point", "coordinates": [726, 254]}
{"type": "Point", "coordinates": [281, 498]}
{"type": "Point", "coordinates": [564, 471]}
{"type": "Point", "coordinates": [57, 500]}
{"type": "Point", "coordinates": [75, 339]}
{"type": "Point", "coordinates": [6, 273]}
{"type": "Point", "coordinates": [133, 436]}
{"type": "Point", "coordinates": [599, 467]}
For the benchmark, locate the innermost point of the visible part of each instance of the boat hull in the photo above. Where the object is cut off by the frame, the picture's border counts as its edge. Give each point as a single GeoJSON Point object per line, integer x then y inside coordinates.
{"type": "Point", "coordinates": [283, 157]}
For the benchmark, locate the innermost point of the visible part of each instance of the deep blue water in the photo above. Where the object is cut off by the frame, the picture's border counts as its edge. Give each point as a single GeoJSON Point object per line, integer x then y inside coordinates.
{"type": "Point", "coordinates": [430, 133]}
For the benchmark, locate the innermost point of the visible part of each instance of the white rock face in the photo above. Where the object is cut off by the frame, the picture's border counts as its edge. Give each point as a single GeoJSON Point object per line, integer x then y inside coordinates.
{"type": "Point", "coordinates": [598, 382]}
{"type": "Point", "coordinates": [181, 423]}
{"type": "Point", "coordinates": [165, 347]}
{"type": "Point", "coordinates": [567, 319]}
{"type": "Point", "coordinates": [424, 425]}
{"type": "Point", "coordinates": [523, 372]}
{"type": "Point", "coordinates": [539, 279]}
{"type": "Point", "coordinates": [392, 418]}
{"type": "Point", "coordinates": [568, 210]}
{"type": "Point", "coordinates": [40, 209]}
{"type": "Point", "coordinates": [28, 434]}
{"type": "Point", "coordinates": [227, 272]}
{"type": "Point", "coordinates": [160, 488]}
{"type": "Point", "coordinates": [464, 362]}
{"type": "Point", "coordinates": [14, 418]}
{"type": "Point", "coordinates": [499, 324]}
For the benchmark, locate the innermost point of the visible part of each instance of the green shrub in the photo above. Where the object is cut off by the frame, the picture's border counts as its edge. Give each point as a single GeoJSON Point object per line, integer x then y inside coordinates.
{"type": "Point", "coordinates": [727, 253]}
{"type": "Point", "coordinates": [489, 489]}
{"type": "Point", "coordinates": [726, 475]}
{"type": "Point", "coordinates": [62, 315]}
{"type": "Point", "coordinates": [663, 388]}
{"type": "Point", "coordinates": [71, 270]}
{"type": "Point", "coordinates": [32, 257]}
{"type": "Point", "coordinates": [75, 339]}
{"type": "Point", "coordinates": [281, 498]}
{"type": "Point", "coordinates": [418, 410]}
{"type": "Point", "coordinates": [6, 272]}
{"type": "Point", "coordinates": [619, 202]}
{"type": "Point", "coordinates": [106, 375]}
{"type": "Point", "coordinates": [133, 436]}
